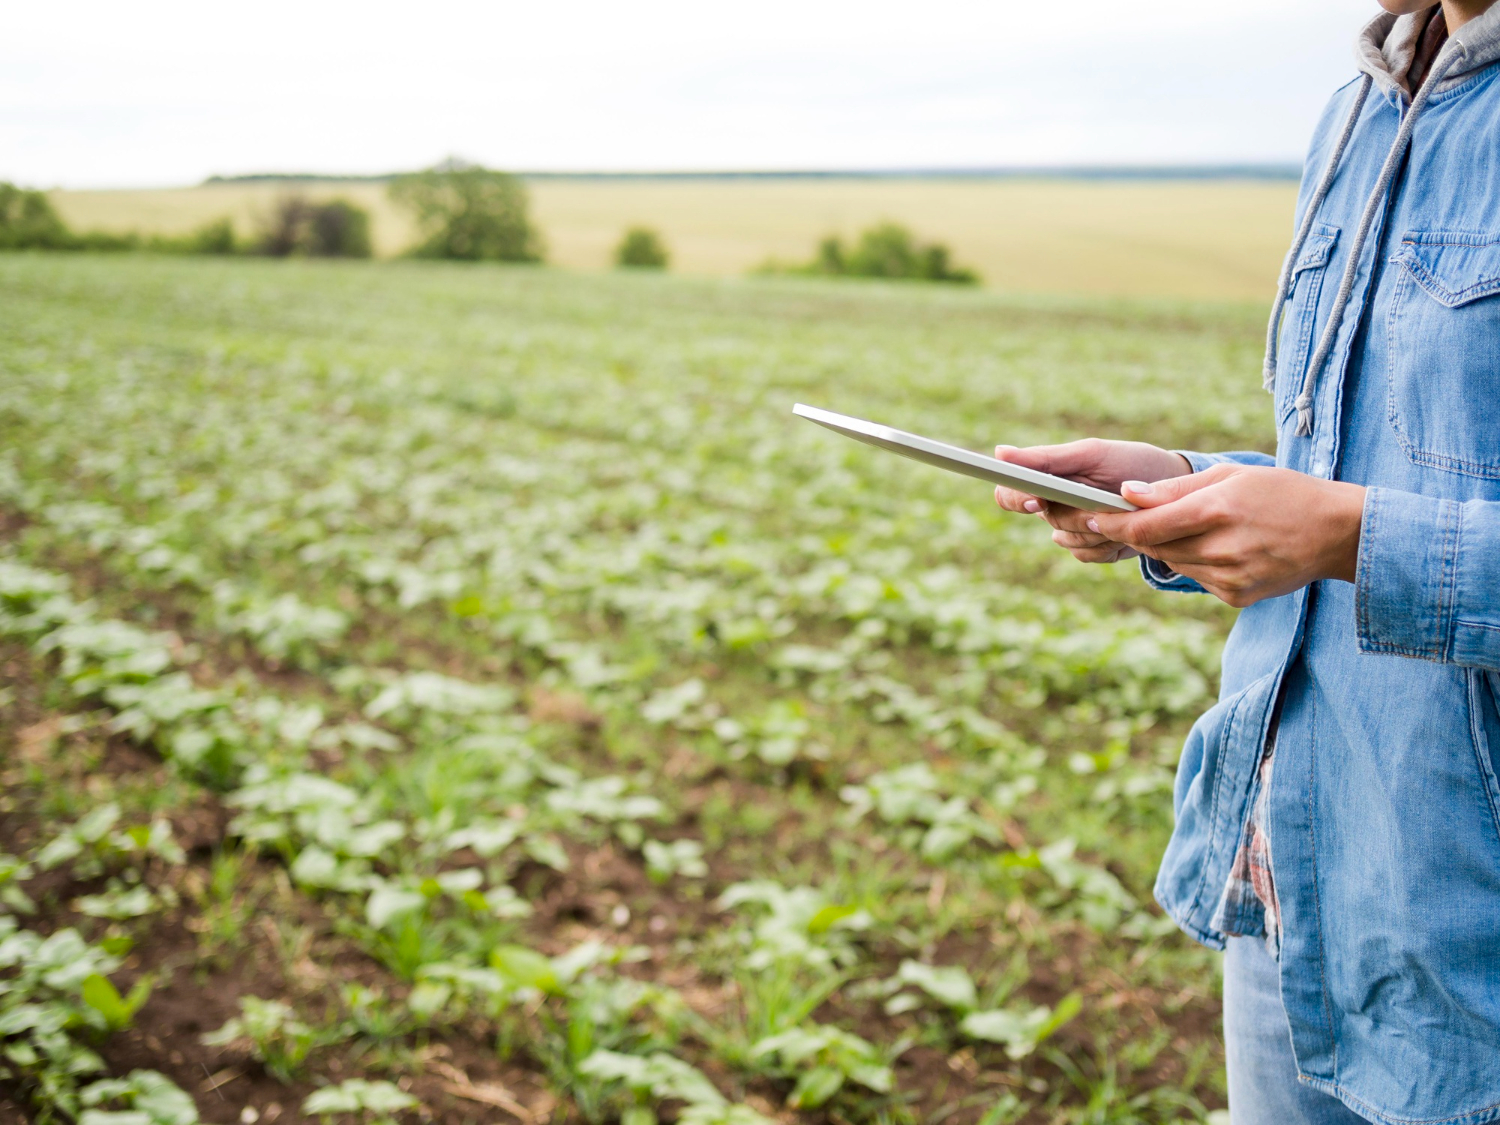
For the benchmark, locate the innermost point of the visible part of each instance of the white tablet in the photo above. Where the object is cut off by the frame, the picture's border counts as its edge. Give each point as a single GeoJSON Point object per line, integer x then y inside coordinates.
{"type": "Point", "coordinates": [957, 460]}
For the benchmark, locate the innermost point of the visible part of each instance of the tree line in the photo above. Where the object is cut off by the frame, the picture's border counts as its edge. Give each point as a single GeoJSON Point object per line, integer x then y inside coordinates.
{"type": "Point", "coordinates": [463, 212]}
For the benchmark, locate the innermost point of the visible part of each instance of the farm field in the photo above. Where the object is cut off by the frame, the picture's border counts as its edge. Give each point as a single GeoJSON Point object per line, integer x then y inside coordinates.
{"type": "Point", "coordinates": [456, 694]}
{"type": "Point", "coordinates": [1202, 240]}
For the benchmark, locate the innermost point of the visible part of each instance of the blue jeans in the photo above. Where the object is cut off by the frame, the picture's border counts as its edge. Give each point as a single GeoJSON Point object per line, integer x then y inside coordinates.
{"type": "Point", "coordinates": [1263, 1086]}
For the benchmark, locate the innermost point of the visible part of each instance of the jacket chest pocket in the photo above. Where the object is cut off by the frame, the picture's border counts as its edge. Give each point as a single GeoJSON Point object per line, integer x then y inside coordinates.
{"type": "Point", "coordinates": [1443, 351]}
{"type": "Point", "coordinates": [1296, 339]}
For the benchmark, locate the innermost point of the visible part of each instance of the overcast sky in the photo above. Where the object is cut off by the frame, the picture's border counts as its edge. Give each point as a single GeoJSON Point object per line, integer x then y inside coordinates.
{"type": "Point", "coordinates": [96, 94]}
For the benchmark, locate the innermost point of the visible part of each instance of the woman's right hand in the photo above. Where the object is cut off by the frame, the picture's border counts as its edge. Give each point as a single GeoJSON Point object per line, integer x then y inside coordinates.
{"type": "Point", "coordinates": [1103, 464]}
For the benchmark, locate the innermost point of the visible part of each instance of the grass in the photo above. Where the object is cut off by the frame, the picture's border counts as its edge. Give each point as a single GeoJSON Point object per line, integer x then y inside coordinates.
{"type": "Point", "coordinates": [532, 698]}
{"type": "Point", "coordinates": [1218, 240]}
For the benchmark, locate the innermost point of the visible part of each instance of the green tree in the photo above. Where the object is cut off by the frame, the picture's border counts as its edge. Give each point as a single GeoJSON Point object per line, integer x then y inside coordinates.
{"type": "Point", "coordinates": [470, 213]}
{"type": "Point", "coordinates": [884, 250]}
{"type": "Point", "coordinates": [28, 221]}
{"type": "Point", "coordinates": [300, 227]}
{"type": "Point", "coordinates": [887, 250]}
{"type": "Point", "coordinates": [214, 237]}
{"type": "Point", "coordinates": [831, 258]}
{"type": "Point", "coordinates": [642, 248]}
{"type": "Point", "coordinates": [339, 229]}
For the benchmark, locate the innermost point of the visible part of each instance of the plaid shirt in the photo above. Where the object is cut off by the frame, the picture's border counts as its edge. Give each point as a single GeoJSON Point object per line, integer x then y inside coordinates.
{"type": "Point", "coordinates": [1249, 907]}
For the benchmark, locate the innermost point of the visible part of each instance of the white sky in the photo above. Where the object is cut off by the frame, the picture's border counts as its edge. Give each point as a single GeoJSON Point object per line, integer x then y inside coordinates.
{"type": "Point", "coordinates": [157, 92]}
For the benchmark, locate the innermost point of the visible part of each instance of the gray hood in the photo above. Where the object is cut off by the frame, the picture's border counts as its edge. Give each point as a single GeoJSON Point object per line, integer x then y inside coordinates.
{"type": "Point", "coordinates": [1387, 43]}
{"type": "Point", "coordinates": [1384, 53]}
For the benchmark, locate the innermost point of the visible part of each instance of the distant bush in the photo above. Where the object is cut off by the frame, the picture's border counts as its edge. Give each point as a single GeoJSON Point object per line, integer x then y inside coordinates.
{"type": "Point", "coordinates": [28, 221]}
{"type": "Point", "coordinates": [214, 237]}
{"type": "Point", "coordinates": [300, 227]}
{"type": "Point", "coordinates": [886, 250]}
{"type": "Point", "coordinates": [104, 240]}
{"type": "Point", "coordinates": [339, 230]}
{"type": "Point", "coordinates": [470, 213]}
{"type": "Point", "coordinates": [642, 248]}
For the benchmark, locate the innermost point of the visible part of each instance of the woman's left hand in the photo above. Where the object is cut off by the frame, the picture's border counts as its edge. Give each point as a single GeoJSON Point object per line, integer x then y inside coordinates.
{"type": "Point", "coordinates": [1243, 532]}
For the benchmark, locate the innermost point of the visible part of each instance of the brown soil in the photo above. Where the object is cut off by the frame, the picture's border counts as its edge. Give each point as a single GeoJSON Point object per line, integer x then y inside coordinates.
{"type": "Point", "coordinates": [604, 894]}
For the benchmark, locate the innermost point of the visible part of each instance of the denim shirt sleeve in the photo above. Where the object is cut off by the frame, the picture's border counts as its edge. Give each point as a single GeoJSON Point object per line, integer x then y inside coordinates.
{"type": "Point", "coordinates": [1157, 573]}
{"type": "Point", "coordinates": [1427, 583]}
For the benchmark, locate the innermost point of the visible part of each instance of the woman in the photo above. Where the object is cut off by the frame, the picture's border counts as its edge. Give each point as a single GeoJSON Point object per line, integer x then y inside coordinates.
{"type": "Point", "coordinates": [1338, 810]}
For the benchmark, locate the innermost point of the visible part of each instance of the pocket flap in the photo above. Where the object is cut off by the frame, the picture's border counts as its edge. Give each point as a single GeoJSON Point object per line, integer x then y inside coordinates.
{"type": "Point", "coordinates": [1315, 250]}
{"type": "Point", "coordinates": [1453, 267]}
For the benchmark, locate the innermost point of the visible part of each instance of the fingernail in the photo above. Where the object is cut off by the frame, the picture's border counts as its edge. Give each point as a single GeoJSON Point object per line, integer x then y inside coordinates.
{"type": "Point", "coordinates": [1032, 506]}
{"type": "Point", "coordinates": [1139, 487]}
{"type": "Point", "coordinates": [1093, 525]}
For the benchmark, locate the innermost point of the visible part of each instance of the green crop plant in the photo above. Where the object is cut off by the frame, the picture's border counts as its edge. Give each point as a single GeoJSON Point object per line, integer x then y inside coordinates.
{"type": "Point", "coordinates": [557, 679]}
{"type": "Point", "coordinates": [823, 1059]}
{"type": "Point", "coordinates": [659, 1077]}
{"type": "Point", "coordinates": [272, 1033]}
{"type": "Point", "coordinates": [149, 1098]}
{"type": "Point", "coordinates": [56, 1000]}
{"type": "Point", "coordinates": [377, 1103]}
{"type": "Point", "coordinates": [797, 925]}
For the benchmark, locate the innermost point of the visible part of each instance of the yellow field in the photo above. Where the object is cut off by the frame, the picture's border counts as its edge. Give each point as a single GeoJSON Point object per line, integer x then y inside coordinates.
{"type": "Point", "coordinates": [1205, 240]}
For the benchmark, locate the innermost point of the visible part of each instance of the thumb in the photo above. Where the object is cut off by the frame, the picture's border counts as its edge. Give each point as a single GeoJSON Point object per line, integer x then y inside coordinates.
{"type": "Point", "coordinates": [1064, 460]}
{"type": "Point", "coordinates": [1146, 494]}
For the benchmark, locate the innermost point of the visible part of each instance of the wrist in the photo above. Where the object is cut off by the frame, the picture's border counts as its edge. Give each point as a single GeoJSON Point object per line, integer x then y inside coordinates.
{"type": "Point", "coordinates": [1344, 516]}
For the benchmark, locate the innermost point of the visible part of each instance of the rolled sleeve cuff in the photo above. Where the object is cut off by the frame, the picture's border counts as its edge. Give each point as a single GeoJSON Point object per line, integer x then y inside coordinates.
{"type": "Point", "coordinates": [1406, 575]}
{"type": "Point", "coordinates": [1201, 461]}
{"type": "Point", "coordinates": [1160, 576]}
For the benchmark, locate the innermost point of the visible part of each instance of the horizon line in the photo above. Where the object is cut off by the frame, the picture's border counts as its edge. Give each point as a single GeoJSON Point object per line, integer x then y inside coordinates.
{"type": "Point", "coordinates": [1256, 170]}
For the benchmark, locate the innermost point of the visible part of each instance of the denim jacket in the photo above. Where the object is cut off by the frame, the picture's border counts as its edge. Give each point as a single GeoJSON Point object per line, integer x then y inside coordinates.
{"type": "Point", "coordinates": [1383, 805]}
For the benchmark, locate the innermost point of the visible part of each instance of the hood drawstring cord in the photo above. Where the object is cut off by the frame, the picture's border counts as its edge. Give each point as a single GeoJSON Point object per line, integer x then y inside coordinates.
{"type": "Point", "coordinates": [1288, 268]}
{"type": "Point", "coordinates": [1454, 51]}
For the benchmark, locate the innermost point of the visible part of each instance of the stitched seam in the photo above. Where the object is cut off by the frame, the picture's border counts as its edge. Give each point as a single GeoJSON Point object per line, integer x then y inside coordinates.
{"type": "Point", "coordinates": [1468, 239]}
{"type": "Point", "coordinates": [1469, 1117]}
{"type": "Point", "coordinates": [1450, 298]}
{"type": "Point", "coordinates": [1434, 284]}
{"type": "Point", "coordinates": [1435, 98]}
{"type": "Point", "coordinates": [1465, 624]}
{"type": "Point", "coordinates": [1230, 721]}
{"type": "Point", "coordinates": [1241, 719]}
{"type": "Point", "coordinates": [1364, 592]}
{"type": "Point", "coordinates": [1483, 470]}
{"type": "Point", "coordinates": [1301, 345]}
{"type": "Point", "coordinates": [1324, 238]}
{"type": "Point", "coordinates": [1210, 938]}
{"type": "Point", "coordinates": [1448, 589]}
{"type": "Point", "coordinates": [1398, 650]}
{"type": "Point", "coordinates": [1398, 298]}
{"type": "Point", "coordinates": [1481, 746]}
{"type": "Point", "coordinates": [1461, 240]}
{"type": "Point", "coordinates": [1213, 807]}
{"type": "Point", "coordinates": [1312, 849]}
